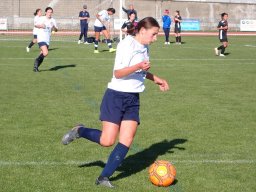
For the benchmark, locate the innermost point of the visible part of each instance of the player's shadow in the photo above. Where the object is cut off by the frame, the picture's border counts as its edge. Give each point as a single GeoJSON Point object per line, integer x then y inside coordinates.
{"type": "Point", "coordinates": [226, 53]}
{"type": "Point", "coordinates": [143, 158]}
{"type": "Point", "coordinates": [58, 67]}
{"type": "Point", "coordinates": [52, 49]}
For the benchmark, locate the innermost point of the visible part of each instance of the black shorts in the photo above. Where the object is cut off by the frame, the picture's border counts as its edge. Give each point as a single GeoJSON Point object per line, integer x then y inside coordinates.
{"type": "Point", "coordinates": [225, 39]}
{"type": "Point", "coordinates": [118, 106]}
{"type": "Point", "coordinates": [177, 29]}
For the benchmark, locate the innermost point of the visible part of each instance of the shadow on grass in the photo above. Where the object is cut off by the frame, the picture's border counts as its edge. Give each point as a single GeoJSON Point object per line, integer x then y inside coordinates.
{"type": "Point", "coordinates": [58, 67]}
{"type": "Point", "coordinates": [142, 159]}
{"type": "Point", "coordinates": [52, 49]}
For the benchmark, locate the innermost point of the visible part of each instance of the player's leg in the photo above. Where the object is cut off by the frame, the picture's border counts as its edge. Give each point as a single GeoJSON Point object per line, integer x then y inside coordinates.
{"type": "Point", "coordinates": [107, 36]}
{"type": "Point", "coordinates": [85, 33]}
{"type": "Point", "coordinates": [97, 31]}
{"type": "Point", "coordinates": [81, 33]}
{"type": "Point", "coordinates": [31, 43]}
{"type": "Point", "coordinates": [40, 58]}
{"type": "Point", "coordinates": [127, 132]}
{"type": "Point", "coordinates": [167, 36]}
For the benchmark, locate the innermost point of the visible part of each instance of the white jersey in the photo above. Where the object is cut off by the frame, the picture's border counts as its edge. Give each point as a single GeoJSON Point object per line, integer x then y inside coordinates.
{"type": "Point", "coordinates": [103, 16]}
{"type": "Point", "coordinates": [129, 52]}
{"type": "Point", "coordinates": [36, 19]}
{"type": "Point", "coordinates": [44, 35]}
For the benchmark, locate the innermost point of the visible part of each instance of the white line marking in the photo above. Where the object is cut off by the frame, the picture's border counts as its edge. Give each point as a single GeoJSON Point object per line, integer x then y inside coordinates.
{"type": "Point", "coordinates": [77, 163]}
{"type": "Point", "coordinates": [250, 45]}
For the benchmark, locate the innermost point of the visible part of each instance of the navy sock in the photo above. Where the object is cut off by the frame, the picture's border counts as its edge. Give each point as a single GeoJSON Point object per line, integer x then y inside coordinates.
{"type": "Point", "coordinates": [220, 47]}
{"type": "Point", "coordinates": [177, 39]}
{"type": "Point", "coordinates": [109, 43]}
{"type": "Point", "coordinates": [223, 50]}
{"type": "Point", "coordinates": [31, 44]}
{"type": "Point", "coordinates": [115, 159]}
{"type": "Point", "coordinates": [96, 43]}
{"type": "Point", "coordinates": [90, 134]}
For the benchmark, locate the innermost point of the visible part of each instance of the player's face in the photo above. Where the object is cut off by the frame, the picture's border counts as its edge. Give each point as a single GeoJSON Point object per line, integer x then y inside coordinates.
{"type": "Point", "coordinates": [225, 17]}
{"type": "Point", "coordinates": [49, 13]}
{"type": "Point", "coordinates": [39, 13]}
{"type": "Point", "coordinates": [150, 35]}
{"type": "Point", "coordinates": [132, 17]}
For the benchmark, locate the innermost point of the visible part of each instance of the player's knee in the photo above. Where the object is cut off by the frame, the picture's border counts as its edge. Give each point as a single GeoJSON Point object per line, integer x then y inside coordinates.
{"type": "Point", "coordinates": [107, 142]}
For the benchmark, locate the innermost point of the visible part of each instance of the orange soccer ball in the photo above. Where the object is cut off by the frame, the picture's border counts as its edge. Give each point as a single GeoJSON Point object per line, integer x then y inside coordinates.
{"type": "Point", "coordinates": [162, 173]}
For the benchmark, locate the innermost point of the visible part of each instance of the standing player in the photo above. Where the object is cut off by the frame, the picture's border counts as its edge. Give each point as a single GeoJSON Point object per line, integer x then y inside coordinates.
{"type": "Point", "coordinates": [131, 9]}
{"type": "Point", "coordinates": [83, 17]}
{"type": "Point", "coordinates": [45, 25]}
{"type": "Point", "coordinates": [37, 15]}
{"type": "Point", "coordinates": [120, 104]}
{"type": "Point", "coordinates": [223, 28]}
{"type": "Point", "coordinates": [177, 26]}
{"type": "Point", "coordinates": [129, 25]}
{"type": "Point", "coordinates": [99, 26]}
{"type": "Point", "coordinates": [166, 26]}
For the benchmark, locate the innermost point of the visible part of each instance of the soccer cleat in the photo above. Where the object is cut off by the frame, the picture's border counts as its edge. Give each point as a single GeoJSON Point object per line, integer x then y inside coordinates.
{"type": "Point", "coordinates": [111, 50]}
{"type": "Point", "coordinates": [71, 135]}
{"type": "Point", "coordinates": [168, 43]}
{"type": "Point", "coordinates": [222, 55]}
{"type": "Point", "coordinates": [216, 51]}
{"type": "Point", "coordinates": [86, 43]}
{"type": "Point", "coordinates": [104, 181]}
{"type": "Point", "coordinates": [79, 41]}
{"type": "Point", "coordinates": [96, 51]}
{"type": "Point", "coordinates": [28, 49]}
{"type": "Point", "coordinates": [165, 43]}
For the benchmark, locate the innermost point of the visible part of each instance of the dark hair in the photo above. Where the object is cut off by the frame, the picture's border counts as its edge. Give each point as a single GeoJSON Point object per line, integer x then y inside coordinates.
{"type": "Point", "coordinates": [223, 14]}
{"type": "Point", "coordinates": [178, 12]}
{"type": "Point", "coordinates": [36, 12]}
{"type": "Point", "coordinates": [111, 10]}
{"type": "Point", "coordinates": [48, 8]}
{"type": "Point", "coordinates": [147, 23]}
{"type": "Point", "coordinates": [130, 13]}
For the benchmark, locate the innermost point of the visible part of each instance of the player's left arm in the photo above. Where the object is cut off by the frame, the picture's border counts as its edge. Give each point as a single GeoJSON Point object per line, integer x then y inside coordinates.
{"type": "Point", "coordinates": [163, 85]}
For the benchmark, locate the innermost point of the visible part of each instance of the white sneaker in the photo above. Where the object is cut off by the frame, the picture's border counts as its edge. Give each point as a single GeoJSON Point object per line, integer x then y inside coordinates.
{"type": "Point", "coordinates": [79, 41]}
{"type": "Point", "coordinates": [28, 49]}
{"type": "Point", "coordinates": [86, 43]}
{"type": "Point", "coordinates": [165, 43]}
{"type": "Point", "coordinates": [222, 55]}
{"type": "Point", "coordinates": [216, 51]}
{"type": "Point", "coordinates": [168, 43]}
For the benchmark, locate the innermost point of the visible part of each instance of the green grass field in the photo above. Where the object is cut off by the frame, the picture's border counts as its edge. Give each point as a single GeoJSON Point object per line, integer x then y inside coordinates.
{"type": "Point", "coordinates": [205, 125]}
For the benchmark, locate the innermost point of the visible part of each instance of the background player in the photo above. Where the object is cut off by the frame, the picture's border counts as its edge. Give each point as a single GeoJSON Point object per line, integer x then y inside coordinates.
{"type": "Point", "coordinates": [131, 9]}
{"type": "Point", "coordinates": [84, 17]}
{"type": "Point", "coordinates": [45, 26]}
{"type": "Point", "coordinates": [177, 26]}
{"type": "Point", "coordinates": [223, 28]}
{"type": "Point", "coordinates": [166, 26]}
{"type": "Point", "coordinates": [37, 14]}
{"type": "Point", "coordinates": [99, 26]}
{"type": "Point", "coordinates": [128, 26]}
{"type": "Point", "coordinates": [120, 105]}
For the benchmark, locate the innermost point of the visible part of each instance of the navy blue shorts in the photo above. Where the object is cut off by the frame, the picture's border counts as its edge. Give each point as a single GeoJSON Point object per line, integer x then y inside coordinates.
{"type": "Point", "coordinates": [40, 44]}
{"type": "Point", "coordinates": [99, 29]}
{"type": "Point", "coordinates": [118, 106]}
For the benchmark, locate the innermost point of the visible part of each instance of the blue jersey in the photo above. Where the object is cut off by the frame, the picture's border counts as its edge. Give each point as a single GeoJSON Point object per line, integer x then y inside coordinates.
{"type": "Point", "coordinates": [83, 14]}
{"type": "Point", "coordinates": [166, 21]}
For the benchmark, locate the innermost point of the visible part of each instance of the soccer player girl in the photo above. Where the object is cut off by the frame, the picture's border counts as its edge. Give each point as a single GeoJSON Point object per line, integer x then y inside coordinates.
{"type": "Point", "coordinates": [166, 25]}
{"type": "Point", "coordinates": [223, 28]}
{"type": "Point", "coordinates": [177, 27]}
{"type": "Point", "coordinates": [119, 111]}
{"type": "Point", "coordinates": [128, 25]}
{"type": "Point", "coordinates": [103, 19]}
{"type": "Point", "coordinates": [37, 14]}
{"type": "Point", "coordinates": [45, 26]}
{"type": "Point", "coordinates": [83, 17]}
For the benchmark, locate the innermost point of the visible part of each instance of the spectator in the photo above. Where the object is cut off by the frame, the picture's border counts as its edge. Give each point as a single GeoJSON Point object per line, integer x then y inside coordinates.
{"type": "Point", "coordinates": [84, 17]}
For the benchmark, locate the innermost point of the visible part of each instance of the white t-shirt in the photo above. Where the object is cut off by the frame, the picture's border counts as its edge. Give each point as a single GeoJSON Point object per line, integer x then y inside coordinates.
{"type": "Point", "coordinates": [43, 35]}
{"type": "Point", "coordinates": [103, 16]}
{"type": "Point", "coordinates": [36, 19]}
{"type": "Point", "coordinates": [129, 52]}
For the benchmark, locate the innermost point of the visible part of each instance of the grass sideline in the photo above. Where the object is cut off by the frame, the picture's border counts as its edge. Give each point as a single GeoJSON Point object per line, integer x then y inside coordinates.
{"type": "Point", "coordinates": [205, 124]}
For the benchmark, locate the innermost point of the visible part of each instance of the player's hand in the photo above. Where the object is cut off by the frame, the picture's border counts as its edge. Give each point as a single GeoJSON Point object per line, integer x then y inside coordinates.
{"type": "Point", "coordinates": [163, 85]}
{"type": "Point", "coordinates": [144, 65]}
